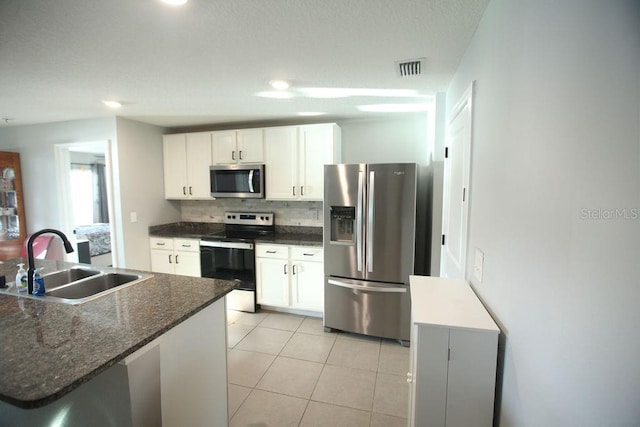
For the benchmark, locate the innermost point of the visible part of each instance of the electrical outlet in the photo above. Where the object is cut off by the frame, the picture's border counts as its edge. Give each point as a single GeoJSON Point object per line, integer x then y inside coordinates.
{"type": "Point", "coordinates": [478, 265]}
{"type": "Point", "coordinates": [134, 216]}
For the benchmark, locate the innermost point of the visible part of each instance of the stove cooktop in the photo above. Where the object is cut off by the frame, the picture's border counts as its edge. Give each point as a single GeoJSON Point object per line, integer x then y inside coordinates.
{"type": "Point", "coordinates": [244, 227]}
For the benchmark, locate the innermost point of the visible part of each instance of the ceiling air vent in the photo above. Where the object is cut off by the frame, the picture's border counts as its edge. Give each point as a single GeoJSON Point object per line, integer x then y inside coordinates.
{"type": "Point", "coordinates": [411, 67]}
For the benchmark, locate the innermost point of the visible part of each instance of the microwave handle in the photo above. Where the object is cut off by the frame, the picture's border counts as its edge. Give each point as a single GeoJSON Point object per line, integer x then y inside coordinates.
{"type": "Point", "coordinates": [251, 181]}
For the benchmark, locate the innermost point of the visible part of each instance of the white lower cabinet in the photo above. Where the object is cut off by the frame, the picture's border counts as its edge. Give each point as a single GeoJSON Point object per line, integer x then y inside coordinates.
{"type": "Point", "coordinates": [454, 343]}
{"type": "Point", "coordinates": [290, 277]}
{"type": "Point", "coordinates": [175, 256]}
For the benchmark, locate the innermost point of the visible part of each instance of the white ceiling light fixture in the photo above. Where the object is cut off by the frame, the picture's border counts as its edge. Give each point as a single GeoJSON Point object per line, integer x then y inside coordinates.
{"type": "Point", "coordinates": [333, 92]}
{"type": "Point", "coordinates": [279, 84]}
{"type": "Point", "coordinates": [112, 104]}
{"type": "Point", "coordinates": [274, 94]}
{"type": "Point", "coordinates": [311, 113]}
{"type": "Point", "coordinates": [174, 2]}
{"type": "Point", "coordinates": [396, 108]}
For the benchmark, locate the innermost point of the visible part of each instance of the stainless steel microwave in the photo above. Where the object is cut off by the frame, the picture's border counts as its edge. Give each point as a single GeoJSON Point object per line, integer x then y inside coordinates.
{"type": "Point", "coordinates": [237, 181]}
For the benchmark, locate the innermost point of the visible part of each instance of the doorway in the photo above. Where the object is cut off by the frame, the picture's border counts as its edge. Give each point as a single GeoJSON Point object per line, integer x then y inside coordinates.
{"type": "Point", "coordinates": [456, 180]}
{"type": "Point", "coordinates": [84, 178]}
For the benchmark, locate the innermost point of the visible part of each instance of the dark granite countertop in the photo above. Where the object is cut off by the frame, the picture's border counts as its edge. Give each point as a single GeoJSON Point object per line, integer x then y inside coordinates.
{"type": "Point", "coordinates": [284, 235]}
{"type": "Point", "coordinates": [50, 348]}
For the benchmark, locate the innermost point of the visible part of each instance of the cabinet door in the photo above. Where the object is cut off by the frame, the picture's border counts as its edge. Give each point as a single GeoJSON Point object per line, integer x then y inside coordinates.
{"type": "Point", "coordinates": [316, 148]}
{"type": "Point", "coordinates": [307, 285]}
{"type": "Point", "coordinates": [198, 162]}
{"type": "Point", "coordinates": [175, 166]}
{"type": "Point", "coordinates": [224, 147]}
{"type": "Point", "coordinates": [281, 162]}
{"type": "Point", "coordinates": [162, 261]}
{"type": "Point", "coordinates": [272, 281]}
{"type": "Point", "coordinates": [250, 144]}
{"type": "Point", "coordinates": [471, 378]}
{"type": "Point", "coordinates": [187, 263]}
{"type": "Point", "coordinates": [430, 375]}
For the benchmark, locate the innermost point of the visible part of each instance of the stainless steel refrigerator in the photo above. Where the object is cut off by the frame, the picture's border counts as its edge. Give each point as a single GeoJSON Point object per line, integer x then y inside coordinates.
{"type": "Point", "coordinates": [369, 247]}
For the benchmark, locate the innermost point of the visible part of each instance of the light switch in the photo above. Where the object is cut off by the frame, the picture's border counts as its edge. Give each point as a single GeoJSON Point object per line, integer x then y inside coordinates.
{"type": "Point", "coordinates": [478, 265]}
{"type": "Point", "coordinates": [134, 216]}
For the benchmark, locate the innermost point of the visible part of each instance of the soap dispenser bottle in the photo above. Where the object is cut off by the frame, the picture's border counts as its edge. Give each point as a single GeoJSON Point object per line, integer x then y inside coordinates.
{"type": "Point", "coordinates": [38, 283]}
{"type": "Point", "coordinates": [21, 278]}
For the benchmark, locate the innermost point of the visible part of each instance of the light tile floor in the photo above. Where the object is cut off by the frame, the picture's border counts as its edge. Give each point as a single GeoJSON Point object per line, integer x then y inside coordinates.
{"type": "Point", "coordinates": [284, 370]}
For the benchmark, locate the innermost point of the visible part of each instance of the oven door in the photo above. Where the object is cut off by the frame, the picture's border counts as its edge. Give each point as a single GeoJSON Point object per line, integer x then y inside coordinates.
{"type": "Point", "coordinates": [232, 261]}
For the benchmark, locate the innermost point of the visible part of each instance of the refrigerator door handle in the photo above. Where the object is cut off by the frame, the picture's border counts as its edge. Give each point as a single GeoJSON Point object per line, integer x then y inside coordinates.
{"type": "Point", "coordinates": [370, 221]}
{"type": "Point", "coordinates": [386, 289]}
{"type": "Point", "coordinates": [359, 222]}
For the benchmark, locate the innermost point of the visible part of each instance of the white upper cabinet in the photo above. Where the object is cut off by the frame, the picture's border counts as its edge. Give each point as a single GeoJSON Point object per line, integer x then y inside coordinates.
{"type": "Point", "coordinates": [238, 146]}
{"type": "Point", "coordinates": [280, 162]}
{"type": "Point", "coordinates": [187, 158]}
{"type": "Point", "coordinates": [295, 157]}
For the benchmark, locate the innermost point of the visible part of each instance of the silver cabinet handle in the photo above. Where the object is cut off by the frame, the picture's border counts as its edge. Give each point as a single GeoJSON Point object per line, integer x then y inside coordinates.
{"type": "Point", "coordinates": [233, 155]}
{"type": "Point", "coordinates": [240, 154]}
{"type": "Point", "coordinates": [159, 243]}
{"type": "Point", "coordinates": [370, 220]}
{"type": "Point", "coordinates": [294, 269]}
{"type": "Point", "coordinates": [302, 190]}
{"type": "Point", "coordinates": [184, 190]}
{"type": "Point", "coordinates": [170, 260]}
{"type": "Point", "coordinates": [285, 269]}
{"type": "Point", "coordinates": [190, 192]}
{"type": "Point", "coordinates": [272, 252]}
{"type": "Point", "coordinates": [177, 260]}
{"type": "Point", "coordinates": [294, 190]}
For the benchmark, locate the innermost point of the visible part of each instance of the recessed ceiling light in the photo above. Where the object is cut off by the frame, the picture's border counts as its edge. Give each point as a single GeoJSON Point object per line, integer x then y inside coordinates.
{"type": "Point", "coordinates": [311, 113]}
{"type": "Point", "coordinates": [275, 94]}
{"type": "Point", "coordinates": [174, 2]}
{"type": "Point", "coordinates": [335, 92]}
{"type": "Point", "coordinates": [112, 104]}
{"type": "Point", "coordinates": [279, 84]}
{"type": "Point", "coordinates": [395, 108]}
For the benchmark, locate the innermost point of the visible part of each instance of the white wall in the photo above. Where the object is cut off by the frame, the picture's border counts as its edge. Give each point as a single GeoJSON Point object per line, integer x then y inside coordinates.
{"type": "Point", "coordinates": [390, 139]}
{"type": "Point", "coordinates": [556, 136]}
{"type": "Point", "coordinates": [141, 190]}
{"type": "Point", "coordinates": [138, 170]}
{"type": "Point", "coordinates": [36, 147]}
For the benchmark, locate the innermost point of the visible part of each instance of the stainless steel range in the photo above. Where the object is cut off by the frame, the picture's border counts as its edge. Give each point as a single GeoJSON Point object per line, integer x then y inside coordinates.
{"type": "Point", "coordinates": [230, 255]}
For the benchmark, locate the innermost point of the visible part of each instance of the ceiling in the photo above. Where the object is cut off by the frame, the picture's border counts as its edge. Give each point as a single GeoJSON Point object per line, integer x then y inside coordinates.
{"type": "Point", "coordinates": [204, 62]}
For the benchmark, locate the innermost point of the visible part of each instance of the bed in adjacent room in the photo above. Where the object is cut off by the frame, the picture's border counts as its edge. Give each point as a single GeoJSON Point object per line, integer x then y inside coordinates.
{"type": "Point", "coordinates": [99, 237]}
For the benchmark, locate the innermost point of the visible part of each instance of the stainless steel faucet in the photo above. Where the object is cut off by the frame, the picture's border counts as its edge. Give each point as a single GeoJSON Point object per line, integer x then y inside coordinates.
{"type": "Point", "coordinates": [31, 262]}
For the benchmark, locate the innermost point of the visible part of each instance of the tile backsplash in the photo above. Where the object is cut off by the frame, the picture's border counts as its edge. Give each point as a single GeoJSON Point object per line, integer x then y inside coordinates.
{"type": "Point", "coordinates": [307, 214]}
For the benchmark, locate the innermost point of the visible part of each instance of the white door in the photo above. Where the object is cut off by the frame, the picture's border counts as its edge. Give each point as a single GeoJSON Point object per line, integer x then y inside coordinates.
{"type": "Point", "coordinates": [455, 203]}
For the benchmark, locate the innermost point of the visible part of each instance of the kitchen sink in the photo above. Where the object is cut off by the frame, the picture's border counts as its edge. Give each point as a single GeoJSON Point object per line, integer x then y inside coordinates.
{"type": "Point", "coordinates": [96, 285]}
{"type": "Point", "coordinates": [64, 277]}
{"type": "Point", "coordinates": [77, 285]}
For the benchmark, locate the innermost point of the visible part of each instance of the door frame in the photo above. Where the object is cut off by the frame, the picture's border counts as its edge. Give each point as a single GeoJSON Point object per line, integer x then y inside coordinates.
{"type": "Point", "coordinates": [465, 101]}
{"type": "Point", "coordinates": [63, 166]}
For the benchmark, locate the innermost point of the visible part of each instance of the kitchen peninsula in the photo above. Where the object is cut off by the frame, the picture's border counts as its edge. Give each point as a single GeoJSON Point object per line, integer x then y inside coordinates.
{"type": "Point", "coordinates": [152, 351]}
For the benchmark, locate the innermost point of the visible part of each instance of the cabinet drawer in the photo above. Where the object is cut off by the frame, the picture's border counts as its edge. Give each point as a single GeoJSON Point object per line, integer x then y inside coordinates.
{"type": "Point", "coordinates": [161, 243]}
{"type": "Point", "coordinates": [272, 251]}
{"type": "Point", "coordinates": [187, 245]}
{"type": "Point", "coordinates": [307, 253]}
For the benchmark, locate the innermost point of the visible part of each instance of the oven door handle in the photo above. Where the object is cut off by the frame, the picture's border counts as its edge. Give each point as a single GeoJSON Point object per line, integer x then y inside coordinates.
{"type": "Point", "coordinates": [230, 245]}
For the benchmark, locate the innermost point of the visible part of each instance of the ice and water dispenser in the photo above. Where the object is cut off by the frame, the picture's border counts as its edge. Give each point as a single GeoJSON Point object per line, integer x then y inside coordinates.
{"type": "Point", "coordinates": [343, 224]}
